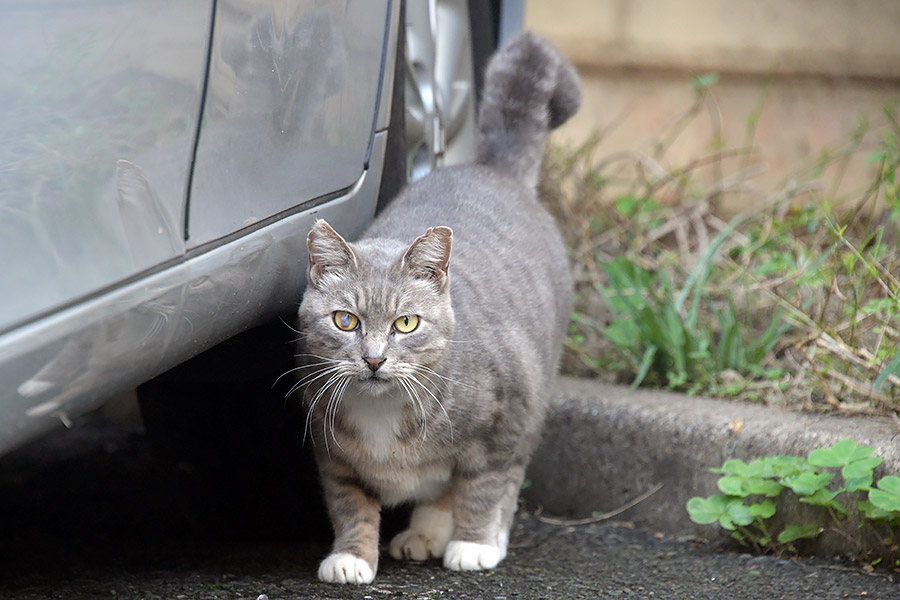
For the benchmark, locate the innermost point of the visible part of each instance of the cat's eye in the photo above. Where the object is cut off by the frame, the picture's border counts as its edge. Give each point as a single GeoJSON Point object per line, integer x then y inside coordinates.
{"type": "Point", "coordinates": [345, 321]}
{"type": "Point", "coordinates": [406, 323]}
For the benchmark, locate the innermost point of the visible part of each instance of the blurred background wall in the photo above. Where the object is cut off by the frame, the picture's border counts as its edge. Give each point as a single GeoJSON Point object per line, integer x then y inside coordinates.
{"type": "Point", "coordinates": [807, 73]}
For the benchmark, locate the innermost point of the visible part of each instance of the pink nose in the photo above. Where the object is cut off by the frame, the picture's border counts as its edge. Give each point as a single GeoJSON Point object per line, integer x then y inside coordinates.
{"type": "Point", "coordinates": [374, 363]}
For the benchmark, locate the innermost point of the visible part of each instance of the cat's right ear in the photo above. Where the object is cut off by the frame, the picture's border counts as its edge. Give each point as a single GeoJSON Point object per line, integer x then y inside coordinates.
{"type": "Point", "coordinates": [328, 252]}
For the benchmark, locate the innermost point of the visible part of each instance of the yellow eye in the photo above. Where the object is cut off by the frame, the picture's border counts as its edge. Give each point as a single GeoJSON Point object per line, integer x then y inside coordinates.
{"type": "Point", "coordinates": [345, 321]}
{"type": "Point", "coordinates": [406, 323]}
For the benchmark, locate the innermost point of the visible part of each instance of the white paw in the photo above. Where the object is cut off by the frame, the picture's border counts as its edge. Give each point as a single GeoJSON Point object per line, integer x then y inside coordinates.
{"type": "Point", "coordinates": [427, 536]}
{"type": "Point", "coordinates": [412, 545]}
{"type": "Point", "coordinates": [343, 567]}
{"type": "Point", "coordinates": [469, 556]}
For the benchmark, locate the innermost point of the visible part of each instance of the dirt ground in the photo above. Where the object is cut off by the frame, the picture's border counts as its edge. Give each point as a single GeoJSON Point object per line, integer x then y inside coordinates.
{"type": "Point", "coordinates": [88, 514]}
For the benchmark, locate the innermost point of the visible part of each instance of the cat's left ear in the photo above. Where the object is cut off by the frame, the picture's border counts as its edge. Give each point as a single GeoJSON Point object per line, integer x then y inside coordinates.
{"type": "Point", "coordinates": [429, 256]}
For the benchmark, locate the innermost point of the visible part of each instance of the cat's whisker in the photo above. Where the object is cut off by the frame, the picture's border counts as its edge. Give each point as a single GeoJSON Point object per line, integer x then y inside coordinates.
{"type": "Point", "coordinates": [292, 328]}
{"type": "Point", "coordinates": [422, 369]}
{"type": "Point", "coordinates": [339, 393]}
{"type": "Point", "coordinates": [439, 403]}
{"type": "Point", "coordinates": [320, 357]}
{"type": "Point", "coordinates": [417, 403]}
{"type": "Point", "coordinates": [289, 371]}
{"type": "Point", "coordinates": [307, 426]}
{"type": "Point", "coordinates": [311, 377]}
{"type": "Point", "coordinates": [329, 406]}
{"type": "Point", "coordinates": [307, 429]}
{"type": "Point", "coordinates": [334, 374]}
{"type": "Point", "coordinates": [429, 379]}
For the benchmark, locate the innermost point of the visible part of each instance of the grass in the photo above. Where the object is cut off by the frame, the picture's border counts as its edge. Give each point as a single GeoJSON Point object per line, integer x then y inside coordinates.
{"type": "Point", "coordinates": [794, 301]}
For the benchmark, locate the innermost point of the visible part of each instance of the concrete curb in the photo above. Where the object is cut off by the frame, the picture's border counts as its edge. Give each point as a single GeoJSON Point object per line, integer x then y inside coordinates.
{"type": "Point", "coordinates": [606, 445]}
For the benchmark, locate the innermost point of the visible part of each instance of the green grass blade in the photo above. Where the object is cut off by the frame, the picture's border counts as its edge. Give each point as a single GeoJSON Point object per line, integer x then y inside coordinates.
{"type": "Point", "coordinates": [701, 270]}
{"type": "Point", "coordinates": [646, 363]}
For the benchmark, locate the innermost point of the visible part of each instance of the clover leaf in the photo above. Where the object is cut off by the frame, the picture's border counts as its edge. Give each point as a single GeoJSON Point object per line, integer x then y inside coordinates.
{"type": "Point", "coordinates": [796, 532]}
{"type": "Point", "coordinates": [856, 462]}
{"type": "Point", "coordinates": [887, 495]}
{"type": "Point", "coordinates": [840, 454]}
{"type": "Point", "coordinates": [727, 510]}
{"type": "Point", "coordinates": [858, 475]}
{"type": "Point", "coordinates": [763, 510]}
{"type": "Point", "coordinates": [807, 483]}
{"type": "Point", "coordinates": [735, 466]}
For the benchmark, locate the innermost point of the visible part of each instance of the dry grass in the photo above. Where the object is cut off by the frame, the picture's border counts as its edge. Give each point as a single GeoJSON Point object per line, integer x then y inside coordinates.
{"type": "Point", "coordinates": [826, 261]}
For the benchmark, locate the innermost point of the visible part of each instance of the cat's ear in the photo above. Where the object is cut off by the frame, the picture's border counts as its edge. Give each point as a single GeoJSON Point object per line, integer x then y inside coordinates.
{"type": "Point", "coordinates": [328, 252]}
{"type": "Point", "coordinates": [429, 256]}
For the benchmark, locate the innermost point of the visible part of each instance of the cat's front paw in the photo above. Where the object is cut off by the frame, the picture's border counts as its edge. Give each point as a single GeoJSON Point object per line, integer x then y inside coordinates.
{"type": "Point", "coordinates": [415, 545]}
{"type": "Point", "coordinates": [469, 556]}
{"type": "Point", "coordinates": [429, 531]}
{"type": "Point", "coordinates": [343, 567]}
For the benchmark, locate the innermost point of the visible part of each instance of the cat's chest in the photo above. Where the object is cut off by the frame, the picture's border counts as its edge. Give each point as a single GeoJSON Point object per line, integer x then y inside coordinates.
{"type": "Point", "coordinates": [379, 425]}
{"type": "Point", "coordinates": [386, 447]}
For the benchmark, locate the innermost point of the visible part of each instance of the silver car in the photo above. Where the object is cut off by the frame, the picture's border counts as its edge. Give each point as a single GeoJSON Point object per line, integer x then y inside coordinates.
{"type": "Point", "coordinates": [161, 163]}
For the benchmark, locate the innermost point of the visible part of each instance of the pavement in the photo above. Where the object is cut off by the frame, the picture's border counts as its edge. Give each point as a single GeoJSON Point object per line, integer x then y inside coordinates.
{"type": "Point", "coordinates": [88, 513]}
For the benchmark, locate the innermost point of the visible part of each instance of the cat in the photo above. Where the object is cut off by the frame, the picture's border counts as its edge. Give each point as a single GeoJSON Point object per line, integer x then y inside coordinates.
{"type": "Point", "coordinates": [430, 345]}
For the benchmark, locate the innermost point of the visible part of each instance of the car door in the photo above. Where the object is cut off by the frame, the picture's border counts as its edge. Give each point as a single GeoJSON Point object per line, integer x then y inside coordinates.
{"type": "Point", "coordinates": [290, 108]}
{"type": "Point", "coordinates": [100, 102]}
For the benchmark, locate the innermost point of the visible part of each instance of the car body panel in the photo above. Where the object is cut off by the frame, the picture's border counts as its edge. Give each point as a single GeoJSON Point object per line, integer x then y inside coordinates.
{"type": "Point", "coordinates": [121, 257]}
{"type": "Point", "coordinates": [289, 108]}
{"type": "Point", "coordinates": [84, 85]}
{"type": "Point", "coordinates": [70, 362]}
{"type": "Point", "coordinates": [103, 292]}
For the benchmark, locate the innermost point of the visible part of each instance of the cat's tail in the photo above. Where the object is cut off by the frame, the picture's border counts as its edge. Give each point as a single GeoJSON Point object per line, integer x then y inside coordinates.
{"type": "Point", "coordinates": [529, 90]}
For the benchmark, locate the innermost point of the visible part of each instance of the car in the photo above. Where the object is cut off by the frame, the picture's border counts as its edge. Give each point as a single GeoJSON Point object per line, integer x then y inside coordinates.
{"type": "Point", "coordinates": [160, 166]}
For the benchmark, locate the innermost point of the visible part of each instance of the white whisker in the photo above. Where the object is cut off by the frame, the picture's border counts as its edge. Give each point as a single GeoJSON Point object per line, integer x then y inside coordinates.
{"type": "Point", "coordinates": [329, 406]}
{"type": "Point", "coordinates": [423, 370]}
{"type": "Point", "coordinates": [291, 327]}
{"type": "Point", "coordinates": [289, 371]}
{"type": "Point", "coordinates": [435, 398]}
{"type": "Point", "coordinates": [417, 403]}
{"type": "Point", "coordinates": [308, 379]}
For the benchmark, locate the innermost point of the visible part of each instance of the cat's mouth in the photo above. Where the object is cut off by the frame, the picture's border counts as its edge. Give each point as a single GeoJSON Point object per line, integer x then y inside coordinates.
{"type": "Point", "coordinates": [374, 379]}
{"type": "Point", "coordinates": [375, 383]}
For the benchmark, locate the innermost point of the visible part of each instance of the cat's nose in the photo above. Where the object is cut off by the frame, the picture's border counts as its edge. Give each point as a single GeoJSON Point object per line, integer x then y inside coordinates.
{"type": "Point", "coordinates": [374, 363]}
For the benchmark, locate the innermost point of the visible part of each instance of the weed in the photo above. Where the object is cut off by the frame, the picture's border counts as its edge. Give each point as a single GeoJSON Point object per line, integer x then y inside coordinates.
{"type": "Point", "coordinates": [662, 336]}
{"type": "Point", "coordinates": [795, 301]}
{"type": "Point", "coordinates": [850, 505]}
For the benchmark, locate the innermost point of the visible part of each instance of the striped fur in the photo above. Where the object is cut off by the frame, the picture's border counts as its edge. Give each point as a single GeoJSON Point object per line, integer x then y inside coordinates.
{"type": "Point", "coordinates": [450, 413]}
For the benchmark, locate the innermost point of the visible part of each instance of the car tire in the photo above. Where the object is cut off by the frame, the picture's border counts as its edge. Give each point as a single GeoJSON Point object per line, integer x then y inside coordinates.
{"type": "Point", "coordinates": [437, 85]}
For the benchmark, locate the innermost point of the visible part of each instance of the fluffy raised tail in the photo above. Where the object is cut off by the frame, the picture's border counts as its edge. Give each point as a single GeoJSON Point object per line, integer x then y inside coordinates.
{"type": "Point", "coordinates": [529, 90]}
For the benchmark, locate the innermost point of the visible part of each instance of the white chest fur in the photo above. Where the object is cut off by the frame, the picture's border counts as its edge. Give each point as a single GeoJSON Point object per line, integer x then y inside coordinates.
{"type": "Point", "coordinates": [376, 419]}
{"type": "Point", "coordinates": [397, 471]}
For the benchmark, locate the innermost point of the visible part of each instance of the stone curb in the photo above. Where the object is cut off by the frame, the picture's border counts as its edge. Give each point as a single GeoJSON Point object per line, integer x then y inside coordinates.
{"type": "Point", "coordinates": [606, 445]}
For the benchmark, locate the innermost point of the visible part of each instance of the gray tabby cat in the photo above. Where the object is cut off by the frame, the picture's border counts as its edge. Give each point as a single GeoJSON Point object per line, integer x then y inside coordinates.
{"type": "Point", "coordinates": [428, 384]}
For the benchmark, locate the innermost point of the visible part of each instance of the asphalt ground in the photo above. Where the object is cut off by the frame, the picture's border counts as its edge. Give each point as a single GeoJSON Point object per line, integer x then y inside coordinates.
{"type": "Point", "coordinates": [88, 513]}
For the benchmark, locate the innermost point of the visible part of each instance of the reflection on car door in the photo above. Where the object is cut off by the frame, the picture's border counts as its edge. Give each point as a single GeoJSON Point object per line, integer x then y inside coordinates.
{"type": "Point", "coordinates": [99, 108]}
{"type": "Point", "coordinates": [289, 110]}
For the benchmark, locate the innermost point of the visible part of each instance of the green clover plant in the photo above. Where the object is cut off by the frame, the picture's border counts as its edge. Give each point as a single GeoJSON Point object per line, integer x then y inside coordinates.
{"type": "Point", "coordinates": [750, 491]}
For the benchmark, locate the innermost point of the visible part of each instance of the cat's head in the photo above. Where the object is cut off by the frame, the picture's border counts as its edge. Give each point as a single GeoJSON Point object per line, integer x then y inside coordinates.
{"type": "Point", "coordinates": [377, 312]}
